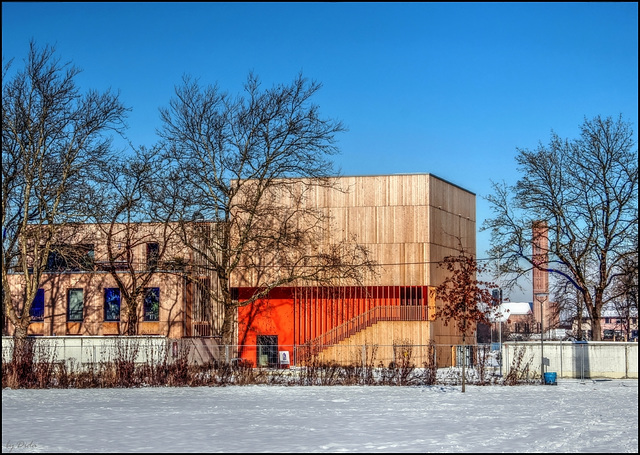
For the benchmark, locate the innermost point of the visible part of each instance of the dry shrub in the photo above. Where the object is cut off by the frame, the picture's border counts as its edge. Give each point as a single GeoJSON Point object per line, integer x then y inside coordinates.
{"type": "Point", "coordinates": [430, 368]}
{"type": "Point", "coordinates": [519, 369]}
{"type": "Point", "coordinates": [483, 357]}
{"type": "Point", "coordinates": [403, 366]}
{"type": "Point", "coordinates": [126, 351]}
{"type": "Point", "coordinates": [32, 365]}
{"type": "Point", "coordinates": [320, 373]}
{"type": "Point", "coordinates": [37, 368]}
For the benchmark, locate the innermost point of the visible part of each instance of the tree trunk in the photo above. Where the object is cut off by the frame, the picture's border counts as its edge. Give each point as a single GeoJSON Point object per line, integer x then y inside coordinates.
{"type": "Point", "coordinates": [596, 329]}
{"type": "Point", "coordinates": [132, 318]}
{"type": "Point", "coordinates": [579, 316]}
{"type": "Point", "coordinates": [464, 361]}
{"type": "Point", "coordinates": [228, 325]}
{"type": "Point", "coordinates": [20, 344]}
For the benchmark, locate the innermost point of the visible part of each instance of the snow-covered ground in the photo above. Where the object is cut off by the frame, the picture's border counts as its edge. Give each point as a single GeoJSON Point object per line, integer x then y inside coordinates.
{"type": "Point", "coordinates": [573, 416]}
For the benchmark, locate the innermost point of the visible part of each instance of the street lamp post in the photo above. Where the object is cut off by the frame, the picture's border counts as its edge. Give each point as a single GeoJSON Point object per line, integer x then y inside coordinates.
{"type": "Point", "coordinates": [500, 344]}
{"type": "Point", "coordinates": [541, 297]}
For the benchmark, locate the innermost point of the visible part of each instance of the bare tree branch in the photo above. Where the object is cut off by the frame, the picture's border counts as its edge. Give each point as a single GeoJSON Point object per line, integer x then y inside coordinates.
{"type": "Point", "coordinates": [246, 164]}
{"type": "Point", "coordinates": [586, 190]}
{"type": "Point", "coordinates": [51, 136]}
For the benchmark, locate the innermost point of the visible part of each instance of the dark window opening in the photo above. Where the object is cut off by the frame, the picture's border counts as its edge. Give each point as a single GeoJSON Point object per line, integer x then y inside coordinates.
{"type": "Point", "coordinates": [152, 304]}
{"type": "Point", "coordinates": [70, 258]}
{"type": "Point", "coordinates": [267, 352]}
{"type": "Point", "coordinates": [411, 296]}
{"type": "Point", "coordinates": [37, 307]}
{"type": "Point", "coordinates": [112, 304]}
{"type": "Point", "coordinates": [153, 251]}
{"type": "Point", "coordinates": [75, 305]}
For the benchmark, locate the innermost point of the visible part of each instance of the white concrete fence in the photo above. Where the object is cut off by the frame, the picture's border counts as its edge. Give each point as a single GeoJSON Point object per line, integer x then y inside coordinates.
{"type": "Point", "coordinates": [82, 351]}
{"type": "Point", "coordinates": [577, 360]}
{"type": "Point", "coordinates": [595, 359]}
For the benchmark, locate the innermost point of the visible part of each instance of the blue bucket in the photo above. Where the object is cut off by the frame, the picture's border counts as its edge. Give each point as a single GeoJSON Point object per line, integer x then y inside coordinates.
{"type": "Point", "coordinates": [550, 378]}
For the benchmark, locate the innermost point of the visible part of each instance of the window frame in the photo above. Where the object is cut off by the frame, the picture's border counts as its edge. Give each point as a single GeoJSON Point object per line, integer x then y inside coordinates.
{"type": "Point", "coordinates": [148, 293]}
{"type": "Point", "coordinates": [38, 298]}
{"type": "Point", "coordinates": [107, 307]}
{"type": "Point", "coordinates": [73, 316]}
{"type": "Point", "coordinates": [267, 346]}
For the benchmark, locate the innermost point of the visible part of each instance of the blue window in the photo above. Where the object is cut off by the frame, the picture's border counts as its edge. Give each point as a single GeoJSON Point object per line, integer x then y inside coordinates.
{"type": "Point", "coordinates": [111, 304]}
{"type": "Point", "coordinates": [37, 307]}
{"type": "Point", "coordinates": [152, 304]}
{"type": "Point", "coordinates": [75, 307]}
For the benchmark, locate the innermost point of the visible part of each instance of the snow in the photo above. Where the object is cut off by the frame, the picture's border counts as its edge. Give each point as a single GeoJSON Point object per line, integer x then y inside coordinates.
{"type": "Point", "coordinates": [502, 312]}
{"type": "Point", "coordinates": [572, 416]}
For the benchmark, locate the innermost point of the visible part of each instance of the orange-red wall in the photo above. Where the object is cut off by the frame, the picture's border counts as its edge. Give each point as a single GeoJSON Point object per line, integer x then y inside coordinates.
{"type": "Point", "coordinates": [298, 315]}
{"type": "Point", "coordinates": [270, 316]}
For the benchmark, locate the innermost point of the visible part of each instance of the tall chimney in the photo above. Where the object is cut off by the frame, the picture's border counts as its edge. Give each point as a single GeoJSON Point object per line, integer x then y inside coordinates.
{"type": "Point", "coordinates": [540, 248]}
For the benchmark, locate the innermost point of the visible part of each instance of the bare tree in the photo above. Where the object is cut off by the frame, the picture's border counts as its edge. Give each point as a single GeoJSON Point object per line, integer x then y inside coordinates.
{"type": "Point", "coordinates": [246, 165]}
{"type": "Point", "coordinates": [51, 137]}
{"type": "Point", "coordinates": [625, 290]}
{"type": "Point", "coordinates": [568, 303]}
{"type": "Point", "coordinates": [465, 299]}
{"type": "Point", "coordinates": [586, 190]}
{"type": "Point", "coordinates": [133, 220]}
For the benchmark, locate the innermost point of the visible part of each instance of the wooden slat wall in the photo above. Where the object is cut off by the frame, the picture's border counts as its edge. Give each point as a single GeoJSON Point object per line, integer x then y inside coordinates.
{"type": "Point", "coordinates": [453, 216]}
{"type": "Point", "coordinates": [320, 309]}
{"type": "Point", "coordinates": [406, 221]}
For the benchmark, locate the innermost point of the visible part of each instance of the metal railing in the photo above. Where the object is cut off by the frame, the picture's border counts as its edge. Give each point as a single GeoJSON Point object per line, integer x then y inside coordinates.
{"type": "Point", "coordinates": [201, 329]}
{"type": "Point", "coordinates": [365, 320]}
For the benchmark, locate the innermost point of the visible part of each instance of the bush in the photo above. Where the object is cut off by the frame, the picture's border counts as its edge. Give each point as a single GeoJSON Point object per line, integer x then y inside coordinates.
{"type": "Point", "coordinates": [34, 366]}
{"type": "Point", "coordinates": [519, 369]}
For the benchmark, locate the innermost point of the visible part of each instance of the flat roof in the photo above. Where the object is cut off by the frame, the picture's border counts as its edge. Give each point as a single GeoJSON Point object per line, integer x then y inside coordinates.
{"type": "Point", "coordinates": [407, 173]}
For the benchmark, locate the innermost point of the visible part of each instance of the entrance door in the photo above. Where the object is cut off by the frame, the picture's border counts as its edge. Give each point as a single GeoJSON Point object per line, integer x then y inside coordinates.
{"type": "Point", "coordinates": [267, 352]}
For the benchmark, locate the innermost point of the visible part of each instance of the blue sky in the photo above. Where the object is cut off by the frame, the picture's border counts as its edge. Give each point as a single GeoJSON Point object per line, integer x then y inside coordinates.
{"type": "Point", "coordinates": [450, 89]}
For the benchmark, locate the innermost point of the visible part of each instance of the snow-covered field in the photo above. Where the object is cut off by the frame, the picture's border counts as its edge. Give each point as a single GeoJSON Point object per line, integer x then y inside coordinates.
{"type": "Point", "coordinates": [573, 416]}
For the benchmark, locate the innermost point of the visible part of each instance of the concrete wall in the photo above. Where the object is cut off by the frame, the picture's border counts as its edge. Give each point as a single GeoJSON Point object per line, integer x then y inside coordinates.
{"type": "Point", "coordinates": [595, 359]}
{"type": "Point", "coordinates": [81, 351]}
{"type": "Point", "coordinates": [613, 360]}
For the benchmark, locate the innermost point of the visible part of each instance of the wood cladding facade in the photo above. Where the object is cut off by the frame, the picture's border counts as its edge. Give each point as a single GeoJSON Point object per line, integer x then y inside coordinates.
{"type": "Point", "coordinates": [408, 223]}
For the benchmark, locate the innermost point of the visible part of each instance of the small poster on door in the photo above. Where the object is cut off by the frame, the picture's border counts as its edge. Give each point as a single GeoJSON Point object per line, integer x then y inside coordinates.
{"type": "Point", "coordinates": [284, 357]}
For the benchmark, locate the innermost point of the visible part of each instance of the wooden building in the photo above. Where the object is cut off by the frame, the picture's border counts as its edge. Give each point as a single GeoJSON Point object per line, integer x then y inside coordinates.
{"type": "Point", "coordinates": [408, 223]}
